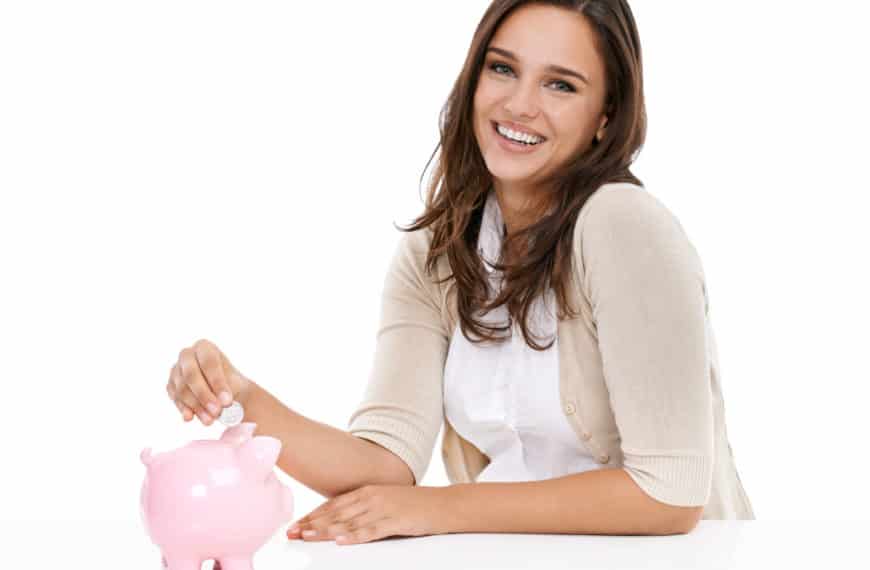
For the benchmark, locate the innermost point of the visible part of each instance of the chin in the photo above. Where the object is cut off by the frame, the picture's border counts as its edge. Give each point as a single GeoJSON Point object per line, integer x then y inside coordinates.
{"type": "Point", "coordinates": [507, 169]}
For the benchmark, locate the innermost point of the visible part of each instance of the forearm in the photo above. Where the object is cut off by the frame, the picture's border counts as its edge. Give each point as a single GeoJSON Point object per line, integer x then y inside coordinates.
{"type": "Point", "coordinates": [604, 501]}
{"type": "Point", "coordinates": [325, 459]}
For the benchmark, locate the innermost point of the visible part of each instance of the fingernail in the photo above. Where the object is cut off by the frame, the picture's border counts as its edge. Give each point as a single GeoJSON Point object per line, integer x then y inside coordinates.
{"type": "Point", "coordinates": [213, 408]}
{"type": "Point", "coordinates": [294, 528]}
{"type": "Point", "coordinates": [309, 533]}
{"type": "Point", "coordinates": [226, 398]}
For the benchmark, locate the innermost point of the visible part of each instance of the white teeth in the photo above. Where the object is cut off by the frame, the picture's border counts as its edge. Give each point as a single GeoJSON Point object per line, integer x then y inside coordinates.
{"type": "Point", "coordinates": [520, 137]}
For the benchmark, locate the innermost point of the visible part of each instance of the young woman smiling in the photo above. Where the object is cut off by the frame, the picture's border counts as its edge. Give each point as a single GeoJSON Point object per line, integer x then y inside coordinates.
{"type": "Point", "coordinates": [545, 309]}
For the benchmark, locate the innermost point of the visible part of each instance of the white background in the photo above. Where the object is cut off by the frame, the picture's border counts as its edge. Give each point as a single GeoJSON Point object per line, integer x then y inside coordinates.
{"type": "Point", "coordinates": [180, 170]}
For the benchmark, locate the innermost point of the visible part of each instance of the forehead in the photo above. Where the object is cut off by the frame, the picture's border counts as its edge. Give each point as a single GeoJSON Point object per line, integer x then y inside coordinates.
{"type": "Point", "coordinates": [542, 35]}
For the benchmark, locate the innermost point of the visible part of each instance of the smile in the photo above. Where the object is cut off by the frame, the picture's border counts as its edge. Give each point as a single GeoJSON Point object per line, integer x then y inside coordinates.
{"type": "Point", "coordinates": [514, 146]}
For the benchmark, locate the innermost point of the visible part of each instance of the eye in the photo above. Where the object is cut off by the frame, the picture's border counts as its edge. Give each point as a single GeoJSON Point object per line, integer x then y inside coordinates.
{"type": "Point", "coordinates": [495, 66]}
{"type": "Point", "coordinates": [568, 87]}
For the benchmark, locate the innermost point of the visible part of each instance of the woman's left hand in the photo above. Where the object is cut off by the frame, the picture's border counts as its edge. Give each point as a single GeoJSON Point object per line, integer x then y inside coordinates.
{"type": "Point", "coordinates": [374, 512]}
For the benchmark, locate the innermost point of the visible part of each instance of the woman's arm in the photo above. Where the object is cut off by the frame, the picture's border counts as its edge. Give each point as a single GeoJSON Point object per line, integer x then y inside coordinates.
{"type": "Point", "coordinates": [601, 501]}
{"type": "Point", "coordinates": [326, 459]}
{"type": "Point", "coordinates": [645, 284]}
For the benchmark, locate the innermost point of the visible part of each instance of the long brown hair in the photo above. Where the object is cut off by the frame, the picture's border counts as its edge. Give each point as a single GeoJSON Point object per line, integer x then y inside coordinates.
{"type": "Point", "coordinates": [454, 213]}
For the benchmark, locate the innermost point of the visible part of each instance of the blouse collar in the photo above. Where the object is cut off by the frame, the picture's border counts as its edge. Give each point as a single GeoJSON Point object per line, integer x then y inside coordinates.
{"type": "Point", "coordinates": [491, 231]}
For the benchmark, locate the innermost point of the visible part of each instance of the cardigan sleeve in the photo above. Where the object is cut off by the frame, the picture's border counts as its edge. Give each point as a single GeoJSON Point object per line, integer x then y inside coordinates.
{"type": "Point", "coordinates": [645, 284]}
{"type": "Point", "coordinates": [401, 409]}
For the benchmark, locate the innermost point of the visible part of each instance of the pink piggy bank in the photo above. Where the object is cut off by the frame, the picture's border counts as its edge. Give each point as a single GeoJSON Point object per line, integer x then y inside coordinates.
{"type": "Point", "coordinates": [214, 499]}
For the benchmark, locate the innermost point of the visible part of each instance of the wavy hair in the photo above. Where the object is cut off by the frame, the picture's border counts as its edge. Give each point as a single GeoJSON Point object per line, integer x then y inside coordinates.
{"type": "Point", "coordinates": [461, 181]}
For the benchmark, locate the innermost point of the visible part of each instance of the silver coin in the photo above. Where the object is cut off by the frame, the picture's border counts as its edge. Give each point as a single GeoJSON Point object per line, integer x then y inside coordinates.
{"type": "Point", "coordinates": [232, 415]}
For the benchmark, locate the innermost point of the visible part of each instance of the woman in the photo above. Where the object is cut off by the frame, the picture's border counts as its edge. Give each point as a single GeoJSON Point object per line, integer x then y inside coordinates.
{"type": "Point", "coordinates": [545, 308]}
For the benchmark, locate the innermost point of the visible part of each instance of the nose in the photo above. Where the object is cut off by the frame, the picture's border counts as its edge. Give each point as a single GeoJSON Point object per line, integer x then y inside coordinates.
{"type": "Point", "coordinates": [523, 102]}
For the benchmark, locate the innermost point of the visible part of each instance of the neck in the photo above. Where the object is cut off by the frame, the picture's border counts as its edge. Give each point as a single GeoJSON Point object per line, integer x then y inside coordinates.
{"type": "Point", "coordinates": [519, 207]}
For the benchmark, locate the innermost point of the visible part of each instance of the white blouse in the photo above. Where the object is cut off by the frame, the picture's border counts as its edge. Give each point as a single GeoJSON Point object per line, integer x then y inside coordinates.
{"type": "Point", "coordinates": [504, 398]}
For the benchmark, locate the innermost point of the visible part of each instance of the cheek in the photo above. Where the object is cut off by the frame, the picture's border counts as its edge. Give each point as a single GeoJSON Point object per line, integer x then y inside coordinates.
{"type": "Point", "coordinates": [486, 96]}
{"type": "Point", "coordinates": [483, 112]}
{"type": "Point", "coordinates": [573, 127]}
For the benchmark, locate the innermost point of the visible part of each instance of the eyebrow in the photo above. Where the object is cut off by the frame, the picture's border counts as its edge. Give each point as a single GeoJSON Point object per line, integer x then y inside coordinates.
{"type": "Point", "coordinates": [554, 68]}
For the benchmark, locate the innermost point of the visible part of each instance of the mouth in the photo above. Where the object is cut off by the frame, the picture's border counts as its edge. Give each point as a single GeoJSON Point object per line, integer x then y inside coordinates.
{"type": "Point", "coordinates": [495, 128]}
{"type": "Point", "coordinates": [514, 145]}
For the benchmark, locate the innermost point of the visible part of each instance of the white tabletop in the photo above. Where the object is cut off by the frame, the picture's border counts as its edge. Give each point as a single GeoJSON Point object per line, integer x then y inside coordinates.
{"type": "Point", "coordinates": [713, 544]}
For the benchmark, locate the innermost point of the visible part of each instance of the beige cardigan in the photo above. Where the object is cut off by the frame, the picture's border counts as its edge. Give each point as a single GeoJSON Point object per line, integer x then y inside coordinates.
{"type": "Point", "coordinates": [639, 372]}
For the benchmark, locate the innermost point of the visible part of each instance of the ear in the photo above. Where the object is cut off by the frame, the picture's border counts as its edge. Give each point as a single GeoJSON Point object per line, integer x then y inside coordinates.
{"type": "Point", "coordinates": [239, 434]}
{"type": "Point", "coordinates": [259, 455]}
{"type": "Point", "coordinates": [601, 128]}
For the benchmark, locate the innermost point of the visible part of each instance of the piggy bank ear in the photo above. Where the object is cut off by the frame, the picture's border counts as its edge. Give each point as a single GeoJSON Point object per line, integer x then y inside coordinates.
{"type": "Point", "coordinates": [239, 434]}
{"type": "Point", "coordinates": [259, 455]}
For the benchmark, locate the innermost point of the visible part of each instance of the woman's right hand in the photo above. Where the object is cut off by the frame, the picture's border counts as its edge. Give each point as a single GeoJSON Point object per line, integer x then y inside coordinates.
{"type": "Point", "coordinates": [203, 382]}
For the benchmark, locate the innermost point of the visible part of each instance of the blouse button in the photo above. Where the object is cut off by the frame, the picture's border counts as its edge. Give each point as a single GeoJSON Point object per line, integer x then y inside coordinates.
{"type": "Point", "coordinates": [569, 408]}
{"type": "Point", "coordinates": [603, 458]}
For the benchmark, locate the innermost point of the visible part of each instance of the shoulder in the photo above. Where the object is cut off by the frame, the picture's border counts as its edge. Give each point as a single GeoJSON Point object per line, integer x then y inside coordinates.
{"type": "Point", "coordinates": [623, 203]}
{"type": "Point", "coordinates": [412, 249]}
{"type": "Point", "coordinates": [409, 260]}
{"type": "Point", "coordinates": [623, 228]}
{"type": "Point", "coordinates": [411, 292]}
{"type": "Point", "coordinates": [417, 241]}
{"type": "Point", "coordinates": [625, 212]}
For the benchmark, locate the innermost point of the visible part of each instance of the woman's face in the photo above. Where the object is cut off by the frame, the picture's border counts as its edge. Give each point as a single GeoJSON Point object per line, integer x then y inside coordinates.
{"type": "Point", "coordinates": [519, 87]}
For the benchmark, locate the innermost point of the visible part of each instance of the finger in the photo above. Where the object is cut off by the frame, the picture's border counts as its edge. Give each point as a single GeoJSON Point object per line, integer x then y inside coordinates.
{"type": "Point", "coordinates": [328, 532]}
{"type": "Point", "coordinates": [196, 383]}
{"type": "Point", "coordinates": [343, 514]}
{"type": "Point", "coordinates": [208, 356]}
{"type": "Point", "coordinates": [351, 522]}
{"type": "Point", "coordinates": [330, 524]}
{"type": "Point", "coordinates": [187, 398]}
{"type": "Point", "coordinates": [367, 532]}
{"type": "Point", "coordinates": [186, 413]}
{"type": "Point", "coordinates": [370, 519]}
{"type": "Point", "coordinates": [331, 505]}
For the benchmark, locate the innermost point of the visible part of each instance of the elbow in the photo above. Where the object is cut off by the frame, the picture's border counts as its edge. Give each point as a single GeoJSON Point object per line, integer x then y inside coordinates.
{"type": "Point", "coordinates": [678, 489]}
{"type": "Point", "coordinates": [397, 471]}
{"type": "Point", "coordinates": [674, 519]}
{"type": "Point", "coordinates": [684, 521]}
{"type": "Point", "coordinates": [406, 476]}
{"type": "Point", "coordinates": [694, 518]}
{"type": "Point", "coordinates": [388, 467]}
{"type": "Point", "coordinates": [666, 504]}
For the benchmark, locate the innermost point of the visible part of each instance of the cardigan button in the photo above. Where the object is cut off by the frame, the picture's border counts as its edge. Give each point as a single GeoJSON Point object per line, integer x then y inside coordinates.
{"type": "Point", "coordinates": [569, 408]}
{"type": "Point", "coordinates": [603, 458]}
{"type": "Point", "coordinates": [586, 436]}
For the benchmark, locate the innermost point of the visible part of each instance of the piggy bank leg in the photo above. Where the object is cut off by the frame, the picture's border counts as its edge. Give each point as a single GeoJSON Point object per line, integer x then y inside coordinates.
{"type": "Point", "coordinates": [174, 562]}
{"type": "Point", "coordinates": [234, 564]}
